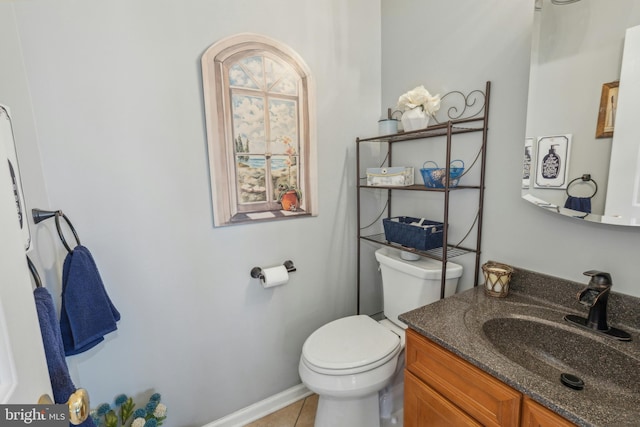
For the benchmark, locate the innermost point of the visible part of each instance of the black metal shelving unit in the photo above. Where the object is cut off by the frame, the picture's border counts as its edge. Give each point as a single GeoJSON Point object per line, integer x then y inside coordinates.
{"type": "Point", "coordinates": [471, 116]}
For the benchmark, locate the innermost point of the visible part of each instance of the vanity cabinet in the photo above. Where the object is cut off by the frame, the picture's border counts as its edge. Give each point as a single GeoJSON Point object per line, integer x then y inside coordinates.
{"type": "Point", "coordinates": [470, 116]}
{"type": "Point", "coordinates": [477, 394]}
{"type": "Point", "coordinates": [442, 389]}
{"type": "Point", "coordinates": [423, 406]}
{"type": "Point", "coordinates": [536, 415]}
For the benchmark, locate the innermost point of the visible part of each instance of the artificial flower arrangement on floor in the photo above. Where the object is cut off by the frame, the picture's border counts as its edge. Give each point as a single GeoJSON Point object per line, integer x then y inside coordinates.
{"type": "Point", "coordinates": [417, 107]}
{"type": "Point", "coordinates": [124, 413]}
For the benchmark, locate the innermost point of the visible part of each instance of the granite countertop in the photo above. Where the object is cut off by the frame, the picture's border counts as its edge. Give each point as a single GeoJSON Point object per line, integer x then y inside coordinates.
{"type": "Point", "coordinates": [609, 368]}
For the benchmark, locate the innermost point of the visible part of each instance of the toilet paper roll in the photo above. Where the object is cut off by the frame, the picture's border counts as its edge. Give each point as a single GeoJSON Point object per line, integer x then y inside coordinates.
{"type": "Point", "coordinates": [274, 276]}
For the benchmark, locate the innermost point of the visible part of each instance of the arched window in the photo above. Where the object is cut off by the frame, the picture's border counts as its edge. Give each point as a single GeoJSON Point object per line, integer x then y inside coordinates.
{"type": "Point", "coordinates": [260, 130]}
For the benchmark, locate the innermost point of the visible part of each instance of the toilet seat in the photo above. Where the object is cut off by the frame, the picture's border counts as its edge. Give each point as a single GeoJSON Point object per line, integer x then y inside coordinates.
{"type": "Point", "coordinates": [350, 345]}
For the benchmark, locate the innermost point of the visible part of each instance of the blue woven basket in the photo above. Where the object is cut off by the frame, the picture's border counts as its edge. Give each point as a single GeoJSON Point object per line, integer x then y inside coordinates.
{"type": "Point", "coordinates": [435, 177]}
{"type": "Point", "coordinates": [427, 235]}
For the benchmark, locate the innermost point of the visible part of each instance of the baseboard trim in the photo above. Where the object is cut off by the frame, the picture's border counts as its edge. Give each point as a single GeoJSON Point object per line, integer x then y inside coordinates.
{"type": "Point", "coordinates": [263, 408]}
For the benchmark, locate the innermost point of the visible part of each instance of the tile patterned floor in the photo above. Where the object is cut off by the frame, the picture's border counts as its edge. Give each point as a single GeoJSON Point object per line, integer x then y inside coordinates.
{"type": "Point", "coordinates": [299, 414]}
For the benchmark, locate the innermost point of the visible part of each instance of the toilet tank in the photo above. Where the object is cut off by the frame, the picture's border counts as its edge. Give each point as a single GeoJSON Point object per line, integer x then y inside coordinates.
{"type": "Point", "coordinates": [407, 285]}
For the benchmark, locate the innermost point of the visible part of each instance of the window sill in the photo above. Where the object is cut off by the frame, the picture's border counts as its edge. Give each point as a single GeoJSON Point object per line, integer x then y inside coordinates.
{"type": "Point", "coordinates": [245, 217]}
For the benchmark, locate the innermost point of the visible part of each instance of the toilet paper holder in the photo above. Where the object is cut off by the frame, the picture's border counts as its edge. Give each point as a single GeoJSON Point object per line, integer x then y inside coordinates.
{"type": "Point", "coordinates": [256, 272]}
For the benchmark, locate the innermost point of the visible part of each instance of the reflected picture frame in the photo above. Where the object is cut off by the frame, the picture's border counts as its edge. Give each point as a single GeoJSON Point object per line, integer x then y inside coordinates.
{"type": "Point", "coordinates": [528, 163]}
{"type": "Point", "coordinates": [552, 158]}
{"type": "Point", "coordinates": [607, 110]}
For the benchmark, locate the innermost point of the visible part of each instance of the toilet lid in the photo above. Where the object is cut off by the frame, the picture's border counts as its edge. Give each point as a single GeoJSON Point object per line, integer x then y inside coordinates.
{"type": "Point", "coordinates": [348, 343]}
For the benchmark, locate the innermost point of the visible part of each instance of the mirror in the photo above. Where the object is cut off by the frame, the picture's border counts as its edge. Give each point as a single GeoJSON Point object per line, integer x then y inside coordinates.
{"type": "Point", "coordinates": [576, 65]}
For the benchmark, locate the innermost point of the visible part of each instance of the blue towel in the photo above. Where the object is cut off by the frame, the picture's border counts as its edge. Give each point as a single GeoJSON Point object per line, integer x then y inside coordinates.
{"type": "Point", "coordinates": [86, 314]}
{"type": "Point", "coordinates": [581, 204]}
{"type": "Point", "coordinates": [61, 382]}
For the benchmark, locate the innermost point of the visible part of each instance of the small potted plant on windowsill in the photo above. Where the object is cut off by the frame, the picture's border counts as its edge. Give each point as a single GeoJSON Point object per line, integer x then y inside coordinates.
{"type": "Point", "coordinates": [289, 197]}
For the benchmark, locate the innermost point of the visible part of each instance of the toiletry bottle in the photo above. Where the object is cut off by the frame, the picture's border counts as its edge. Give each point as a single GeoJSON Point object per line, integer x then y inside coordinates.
{"type": "Point", "coordinates": [551, 164]}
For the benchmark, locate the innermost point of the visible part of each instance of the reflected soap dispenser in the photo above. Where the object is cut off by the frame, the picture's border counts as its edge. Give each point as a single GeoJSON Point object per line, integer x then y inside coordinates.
{"type": "Point", "coordinates": [551, 164]}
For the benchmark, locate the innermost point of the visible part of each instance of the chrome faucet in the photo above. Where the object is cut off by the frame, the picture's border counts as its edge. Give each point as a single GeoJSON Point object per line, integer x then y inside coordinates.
{"type": "Point", "coordinates": [595, 296]}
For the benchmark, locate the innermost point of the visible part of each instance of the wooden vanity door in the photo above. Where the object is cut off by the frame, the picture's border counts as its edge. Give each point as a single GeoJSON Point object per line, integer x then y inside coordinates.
{"type": "Point", "coordinates": [425, 407]}
{"type": "Point", "coordinates": [536, 415]}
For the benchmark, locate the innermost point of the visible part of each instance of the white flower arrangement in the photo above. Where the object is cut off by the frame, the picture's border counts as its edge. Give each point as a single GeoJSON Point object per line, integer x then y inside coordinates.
{"type": "Point", "coordinates": [160, 411]}
{"type": "Point", "coordinates": [419, 97]}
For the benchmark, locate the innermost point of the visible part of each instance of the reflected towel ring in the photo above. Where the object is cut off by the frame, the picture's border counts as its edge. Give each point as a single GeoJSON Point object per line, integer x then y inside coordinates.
{"type": "Point", "coordinates": [584, 178]}
{"type": "Point", "coordinates": [34, 272]}
{"type": "Point", "coordinates": [40, 215]}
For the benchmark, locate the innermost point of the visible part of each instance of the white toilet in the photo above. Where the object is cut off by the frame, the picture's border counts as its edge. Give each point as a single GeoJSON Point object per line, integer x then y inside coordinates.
{"type": "Point", "coordinates": [347, 362]}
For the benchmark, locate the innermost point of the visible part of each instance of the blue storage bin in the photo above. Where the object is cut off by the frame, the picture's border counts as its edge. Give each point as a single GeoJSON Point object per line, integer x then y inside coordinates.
{"type": "Point", "coordinates": [417, 233]}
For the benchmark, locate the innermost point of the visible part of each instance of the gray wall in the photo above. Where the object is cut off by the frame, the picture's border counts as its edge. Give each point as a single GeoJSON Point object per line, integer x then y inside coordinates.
{"type": "Point", "coordinates": [451, 45]}
{"type": "Point", "coordinates": [110, 93]}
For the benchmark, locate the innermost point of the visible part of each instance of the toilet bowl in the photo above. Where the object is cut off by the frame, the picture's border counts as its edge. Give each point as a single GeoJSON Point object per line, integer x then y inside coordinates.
{"type": "Point", "coordinates": [348, 361]}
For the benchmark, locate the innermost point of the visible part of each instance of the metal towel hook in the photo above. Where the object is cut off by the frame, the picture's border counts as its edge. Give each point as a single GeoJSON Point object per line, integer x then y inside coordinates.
{"type": "Point", "coordinates": [40, 215]}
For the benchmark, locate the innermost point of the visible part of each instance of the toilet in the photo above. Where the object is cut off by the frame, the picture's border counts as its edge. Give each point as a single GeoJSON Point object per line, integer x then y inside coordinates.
{"type": "Point", "coordinates": [349, 361]}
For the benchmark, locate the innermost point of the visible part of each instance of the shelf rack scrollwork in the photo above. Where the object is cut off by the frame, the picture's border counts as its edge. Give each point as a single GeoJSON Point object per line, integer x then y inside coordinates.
{"type": "Point", "coordinates": [456, 105]}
